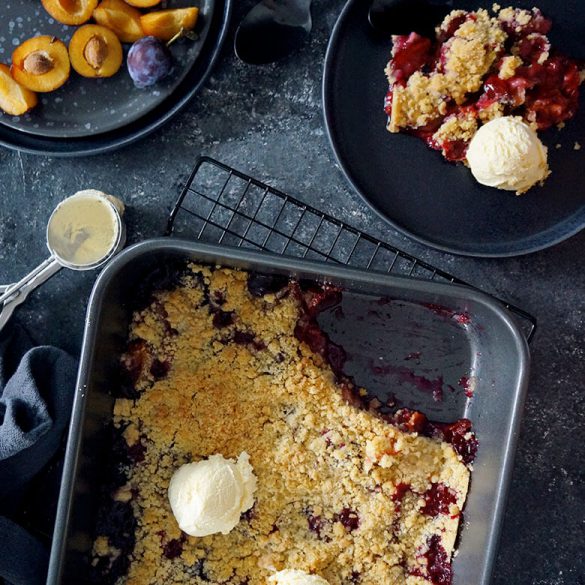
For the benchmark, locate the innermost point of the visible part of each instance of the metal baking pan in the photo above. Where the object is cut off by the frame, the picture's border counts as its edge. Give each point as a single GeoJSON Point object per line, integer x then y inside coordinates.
{"type": "Point", "coordinates": [413, 338]}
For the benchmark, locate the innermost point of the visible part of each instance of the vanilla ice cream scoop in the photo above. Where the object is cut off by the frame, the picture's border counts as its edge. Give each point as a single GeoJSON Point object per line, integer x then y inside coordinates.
{"type": "Point", "coordinates": [209, 496]}
{"type": "Point", "coordinates": [295, 577]}
{"type": "Point", "coordinates": [507, 154]}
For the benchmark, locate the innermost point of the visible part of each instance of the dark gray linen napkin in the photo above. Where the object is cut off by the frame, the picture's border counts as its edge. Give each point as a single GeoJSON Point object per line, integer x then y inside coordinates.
{"type": "Point", "coordinates": [36, 390]}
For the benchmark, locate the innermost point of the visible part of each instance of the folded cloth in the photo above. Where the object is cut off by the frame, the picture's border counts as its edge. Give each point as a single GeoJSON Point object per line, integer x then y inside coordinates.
{"type": "Point", "coordinates": [36, 389]}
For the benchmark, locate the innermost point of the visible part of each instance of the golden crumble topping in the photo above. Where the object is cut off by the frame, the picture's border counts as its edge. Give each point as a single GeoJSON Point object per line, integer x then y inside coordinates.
{"type": "Point", "coordinates": [508, 66]}
{"type": "Point", "coordinates": [453, 128]}
{"type": "Point", "coordinates": [495, 110]}
{"type": "Point", "coordinates": [341, 493]}
{"type": "Point", "coordinates": [516, 16]}
{"type": "Point", "coordinates": [470, 54]}
{"type": "Point", "coordinates": [417, 104]}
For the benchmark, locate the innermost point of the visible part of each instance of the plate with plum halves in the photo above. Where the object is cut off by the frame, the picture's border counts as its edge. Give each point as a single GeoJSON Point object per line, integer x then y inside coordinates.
{"type": "Point", "coordinates": [88, 76]}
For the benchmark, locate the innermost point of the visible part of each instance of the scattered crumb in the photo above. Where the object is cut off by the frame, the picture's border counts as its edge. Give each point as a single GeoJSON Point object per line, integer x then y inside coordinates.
{"type": "Point", "coordinates": [561, 125]}
{"type": "Point", "coordinates": [543, 58]}
{"type": "Point", "coordinates": [496, 110]}
{"type": "Point", "coordinates": [516, 16]}
{"type": "Point", "coordinates": [456, 127]}
{"type": "Point", "coordinates": [558, 146]}
{"type": "Point", "coordinates": [577, 146]}
{"type": "Point", "coordinates": [509, 66]}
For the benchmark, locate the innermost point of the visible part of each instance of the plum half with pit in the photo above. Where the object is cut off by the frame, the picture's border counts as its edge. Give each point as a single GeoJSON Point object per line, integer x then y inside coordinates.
{"type": "Point", "coordinates": [149, 61]}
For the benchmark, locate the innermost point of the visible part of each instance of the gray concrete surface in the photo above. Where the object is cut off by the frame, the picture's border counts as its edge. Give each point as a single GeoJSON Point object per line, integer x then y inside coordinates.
{"type": "Point", "coordinates": [268, 121]}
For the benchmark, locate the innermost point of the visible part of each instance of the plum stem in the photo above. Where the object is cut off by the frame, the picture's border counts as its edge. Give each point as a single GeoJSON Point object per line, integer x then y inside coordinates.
{"type": "Point", "coordinates": [183, 33]}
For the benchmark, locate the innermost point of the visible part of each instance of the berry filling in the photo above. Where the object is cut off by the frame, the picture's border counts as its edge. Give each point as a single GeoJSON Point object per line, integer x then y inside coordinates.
{"type": "Point", "coordinates": [349, 519]}
{"type": "Point", "coordinates": [438, 562]}
{"type": "Point", "coordinates": [438, 500]}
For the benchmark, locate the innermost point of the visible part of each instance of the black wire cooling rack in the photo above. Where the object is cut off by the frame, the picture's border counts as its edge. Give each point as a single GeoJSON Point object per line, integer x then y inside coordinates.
{"type": "Point", "coordinates": [224, 206]}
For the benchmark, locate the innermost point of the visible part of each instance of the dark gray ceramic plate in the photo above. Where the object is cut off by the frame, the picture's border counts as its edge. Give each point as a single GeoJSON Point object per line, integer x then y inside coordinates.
{"type": "Point", "coordinates": [86, 107]}
{"type": "Point", "coordinates": [412, 187]}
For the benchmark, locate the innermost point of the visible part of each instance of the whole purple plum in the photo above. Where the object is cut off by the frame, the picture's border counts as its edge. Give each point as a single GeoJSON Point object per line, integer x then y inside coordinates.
{"type": "Point", "coordinates": [149, 61]}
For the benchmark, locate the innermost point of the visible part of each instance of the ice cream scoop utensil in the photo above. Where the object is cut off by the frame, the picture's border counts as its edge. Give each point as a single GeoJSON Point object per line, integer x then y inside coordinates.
{"type": "Point", "coordinates": [24, 286]}
{"type": "Point", "coordinates": [9, 306]}
{"type": "Point", "coordinates": [12, 295]}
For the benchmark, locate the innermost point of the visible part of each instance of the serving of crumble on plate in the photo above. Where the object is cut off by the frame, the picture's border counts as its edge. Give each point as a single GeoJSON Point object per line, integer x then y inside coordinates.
{"type": "Point", "coordinates": [412, 183]}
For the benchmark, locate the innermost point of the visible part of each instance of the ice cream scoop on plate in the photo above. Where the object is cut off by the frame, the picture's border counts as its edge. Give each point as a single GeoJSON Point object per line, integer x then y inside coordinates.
{"type": "Point", "coordinates": [506, 153]}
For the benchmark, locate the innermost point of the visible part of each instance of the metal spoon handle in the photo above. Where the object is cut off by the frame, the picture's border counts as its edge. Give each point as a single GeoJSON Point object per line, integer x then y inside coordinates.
{"type": "Point", "coordinates": [18, 291]}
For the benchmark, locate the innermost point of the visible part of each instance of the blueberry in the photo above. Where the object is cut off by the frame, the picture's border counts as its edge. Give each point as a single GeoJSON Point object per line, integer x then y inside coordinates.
{"type": "Point", "coordinates": [263, 284]}
{"type": "Point", "coordinates": [149, 61]}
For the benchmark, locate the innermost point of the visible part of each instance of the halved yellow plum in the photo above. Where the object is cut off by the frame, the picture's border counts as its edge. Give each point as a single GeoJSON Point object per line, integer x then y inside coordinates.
{"type": "Point", "coordinates": [95, 51]}
{"type": "Point", "coordinates": [72, 12]}
{"type": "Point", "coordinates": [120, 17]}
{"type": "Point", "coordinates": [41, 63]}
{"type": "Point", "coordinates": [165, 24]}
{"type": "Point", "coordinates": [143, 3]}
{"type": "Point", "coordinates": [15, 99]}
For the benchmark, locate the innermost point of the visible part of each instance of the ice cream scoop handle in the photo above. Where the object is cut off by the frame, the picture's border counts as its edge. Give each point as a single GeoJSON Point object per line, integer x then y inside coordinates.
{"type": "Point", "coordinates": [35, 278]}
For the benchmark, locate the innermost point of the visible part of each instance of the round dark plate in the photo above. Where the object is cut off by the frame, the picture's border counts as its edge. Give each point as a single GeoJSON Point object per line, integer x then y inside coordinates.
{"type": "Point", "coordinates": [413, 187]}
{"type": "Point", "coordinates": [91, 130]}
{"type": "Point", "coordinates": [86, 107]}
